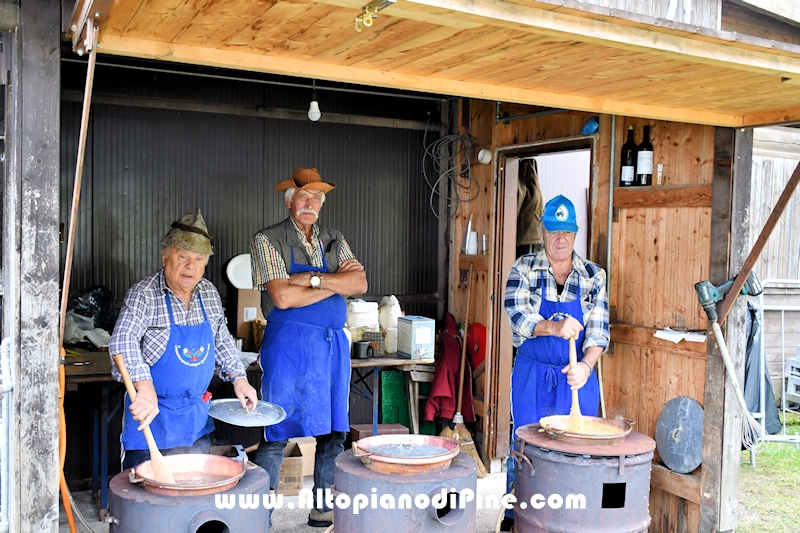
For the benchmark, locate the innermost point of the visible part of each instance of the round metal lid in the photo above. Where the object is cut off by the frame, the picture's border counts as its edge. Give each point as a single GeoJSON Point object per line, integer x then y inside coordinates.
{"type": "Point", "coordinates": [679, 434]}
{"type": "Point", "coordinates": [230, 410]}
{"type": "Point", "coordinates": [633, 444]}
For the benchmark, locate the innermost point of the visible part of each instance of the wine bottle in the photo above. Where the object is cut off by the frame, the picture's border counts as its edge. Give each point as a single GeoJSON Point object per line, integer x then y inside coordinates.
{"type": "Point", "coordinates": [628, 161]}
{"type": "Point", "coordinates": [644, 160]}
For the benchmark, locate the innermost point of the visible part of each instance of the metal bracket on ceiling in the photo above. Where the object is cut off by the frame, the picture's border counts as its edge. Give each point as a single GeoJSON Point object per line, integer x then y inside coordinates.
{"type": "Point", "coordinates": [506, 118]}
{"type": "Point", "coordinates": [87, 15]}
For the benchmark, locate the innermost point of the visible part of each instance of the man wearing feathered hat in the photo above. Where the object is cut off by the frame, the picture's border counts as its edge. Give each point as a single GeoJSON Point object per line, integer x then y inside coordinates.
{"type": "Point", "coordinates": [173, 334]}
{"type": "Point", "coordinates": [303, 271]}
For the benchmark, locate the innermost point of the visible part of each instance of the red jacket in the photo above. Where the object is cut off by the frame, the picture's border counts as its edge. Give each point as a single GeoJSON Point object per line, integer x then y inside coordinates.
{"type": "Point", "coordinates": [443, 398]}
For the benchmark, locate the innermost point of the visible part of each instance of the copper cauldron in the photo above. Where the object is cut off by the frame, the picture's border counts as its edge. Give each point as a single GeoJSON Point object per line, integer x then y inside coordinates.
{"type": "Point", "coordinates": [196, 474]}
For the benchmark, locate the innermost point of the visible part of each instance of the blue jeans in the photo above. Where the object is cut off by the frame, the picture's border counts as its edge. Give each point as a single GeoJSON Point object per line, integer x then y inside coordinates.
{"type": "Point", "coordinates": [136, 457]}
{"type": "Point", "coordinates": [511, 474]}
{"type": "Point", "coordinates": [269, 456]}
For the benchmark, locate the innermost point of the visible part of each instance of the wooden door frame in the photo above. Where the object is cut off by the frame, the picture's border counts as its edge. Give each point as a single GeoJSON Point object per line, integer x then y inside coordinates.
{"type": "Point", "coordinates": [497, 440]}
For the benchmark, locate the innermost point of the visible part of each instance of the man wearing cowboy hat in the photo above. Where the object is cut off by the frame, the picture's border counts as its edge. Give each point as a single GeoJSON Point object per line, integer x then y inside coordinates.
{"type": "Point", "coordinates": [552, 296]}
{"type": "Point", "coordinates": [303, 270]}
{"type": "Point", "coordinates": [173, 334]}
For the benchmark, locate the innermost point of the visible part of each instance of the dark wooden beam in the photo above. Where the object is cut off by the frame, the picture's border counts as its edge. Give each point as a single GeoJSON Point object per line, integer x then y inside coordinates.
{"type": "Point", "coordinates": [33, 139]}
{"type": "Point", "coordinates": [714, 395]}
{"type": "Point", "coordinates": [735, 330]}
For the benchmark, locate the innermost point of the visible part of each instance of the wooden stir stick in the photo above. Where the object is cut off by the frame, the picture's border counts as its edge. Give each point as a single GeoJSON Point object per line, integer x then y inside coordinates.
{"type": "Point", "coordinates": [161, 470]}
{"type": "Point", "coordinates": [575, 416]}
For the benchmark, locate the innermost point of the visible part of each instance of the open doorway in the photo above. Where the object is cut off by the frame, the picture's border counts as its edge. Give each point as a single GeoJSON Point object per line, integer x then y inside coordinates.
{"type": "Point", "coordinates": [562, 172]}
{"type": "Point", "coordinates": [566, 167]}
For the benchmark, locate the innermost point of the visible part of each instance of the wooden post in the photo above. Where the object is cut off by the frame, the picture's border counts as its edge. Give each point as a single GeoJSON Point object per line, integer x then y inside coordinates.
{"type": "Point", "coordinates": [714, 398]}
{"type": "Point", "coordinates": [31, 262]}
{"type": "Point", "coordinates": [722, 420]}
{"type": "Point", "coordinates": [736, 329]}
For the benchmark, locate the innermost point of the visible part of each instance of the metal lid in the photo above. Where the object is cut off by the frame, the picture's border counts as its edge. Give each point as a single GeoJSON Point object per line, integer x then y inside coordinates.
{"type": "Point", "coordinates": [231, 411]}
{"type": "Point", "coordinates": [679, 434]}
{"type": "Point", "coordinates": [633, 444]}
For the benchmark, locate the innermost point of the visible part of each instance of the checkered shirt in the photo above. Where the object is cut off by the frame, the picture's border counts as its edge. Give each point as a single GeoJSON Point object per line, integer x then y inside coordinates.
{"type": "Point", "coordinates": [143, 327]}
{"type": "Point", "coordinates": [267, 264]}
{"type": "Point", "coordinates": [524, 295]}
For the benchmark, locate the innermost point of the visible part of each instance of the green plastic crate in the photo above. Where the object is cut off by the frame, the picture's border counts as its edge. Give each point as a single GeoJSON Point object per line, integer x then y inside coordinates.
{"type": "Point", "coordinates": [427, 428]}
{"type": "Point", "coordinates": [394, 398]}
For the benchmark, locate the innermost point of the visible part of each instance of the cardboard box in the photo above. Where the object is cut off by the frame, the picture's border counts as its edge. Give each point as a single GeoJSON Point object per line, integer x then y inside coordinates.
{"type": "Point", "coordinates": [248, 308]}
{"type": "Point", "coordinates": [360, 431]}
{"type": "Point", "coordinates": [308, 449]}
{"type": "Point", "coordinates": [416, 336]}
{"type": "Point", "coordinates": [290, 481]}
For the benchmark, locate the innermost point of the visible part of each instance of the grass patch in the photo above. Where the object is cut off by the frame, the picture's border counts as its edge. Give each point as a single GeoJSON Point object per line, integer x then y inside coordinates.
{"type": "Point", "coordinates": [768, 495]}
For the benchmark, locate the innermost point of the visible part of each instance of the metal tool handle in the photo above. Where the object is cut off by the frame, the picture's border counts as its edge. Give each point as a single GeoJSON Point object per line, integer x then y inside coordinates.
{"type": "Point", "coordinates": [357, 453]}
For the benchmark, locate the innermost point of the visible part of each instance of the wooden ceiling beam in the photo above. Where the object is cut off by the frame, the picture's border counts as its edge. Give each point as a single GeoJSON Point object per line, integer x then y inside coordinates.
{"type": "Point", "coordinates": [710, 51]}
{"type": "Point", "coordinates": [115, 45]}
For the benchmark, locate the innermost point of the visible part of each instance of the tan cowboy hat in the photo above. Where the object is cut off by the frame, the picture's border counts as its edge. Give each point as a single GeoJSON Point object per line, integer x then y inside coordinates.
{"type": "Point", "coordinates": [190, 233]}
{"type": "Point", "coordinates": [305, 178]}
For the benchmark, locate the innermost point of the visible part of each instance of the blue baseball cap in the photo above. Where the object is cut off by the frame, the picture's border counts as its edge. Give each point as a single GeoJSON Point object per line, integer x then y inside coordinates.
{"type": "Point", "coordinates": [559, 215]}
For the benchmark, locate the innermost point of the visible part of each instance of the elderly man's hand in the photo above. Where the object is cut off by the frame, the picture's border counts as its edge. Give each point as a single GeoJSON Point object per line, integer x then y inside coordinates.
{"type": "Point", "coordinates": [246, 393]}
{"type": "Point", "coordinates": [350, 265]}
{"type": "Point", "coordinates": [145, 407]}
{"type": "Point", "coordinates": [578, 375]}
{"type": "Point", "coordinates": [568, 328]}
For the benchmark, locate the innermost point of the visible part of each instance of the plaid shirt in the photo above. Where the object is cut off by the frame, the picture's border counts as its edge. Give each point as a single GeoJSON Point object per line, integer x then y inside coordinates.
{"type": "Point", "coordinates": [143, 328]}
{"type": "Point", "coordinates": [524, 296]}
{"type": "Point", "coordinates": [267, 264]}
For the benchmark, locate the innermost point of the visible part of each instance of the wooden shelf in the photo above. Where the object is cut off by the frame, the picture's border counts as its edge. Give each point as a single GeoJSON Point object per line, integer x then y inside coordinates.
{"type": "Point", "coordinates": [663, 196]}
{"type": "Point", "coordinates": [686, 486]}
{"type": "Point", "coordinates": [479, 262]}
{"type": "Point", "coordinates": [643, 336]}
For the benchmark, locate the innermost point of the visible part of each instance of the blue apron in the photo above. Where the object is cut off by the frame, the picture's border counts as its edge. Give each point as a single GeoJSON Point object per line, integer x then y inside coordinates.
{"type": "Point", "coordinates": [180, 377]}
{"type": "Point", "coordinates": [538, 388]}
{"type": "Point", "coordinates": [306, 363]}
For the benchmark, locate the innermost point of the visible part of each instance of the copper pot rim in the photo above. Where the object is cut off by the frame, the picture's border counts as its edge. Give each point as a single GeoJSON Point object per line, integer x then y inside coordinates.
{"type": "Point", "coordinates": [405, 465]}
{"type": "Point", "coordinates": [190, 462]}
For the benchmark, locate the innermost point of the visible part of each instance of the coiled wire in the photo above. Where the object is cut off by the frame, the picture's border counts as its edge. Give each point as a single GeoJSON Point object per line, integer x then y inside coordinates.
{"type": "Point", "coordinates": [450, 157]}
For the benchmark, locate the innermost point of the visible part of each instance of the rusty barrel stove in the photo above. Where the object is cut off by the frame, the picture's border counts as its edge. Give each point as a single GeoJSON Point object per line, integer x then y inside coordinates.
{"type": "Point", "coordinates": [406, 484]}
{"type": "Point", "coordinates": [613, 476]}
{"type": "Point", "coordinates": [139, 505]}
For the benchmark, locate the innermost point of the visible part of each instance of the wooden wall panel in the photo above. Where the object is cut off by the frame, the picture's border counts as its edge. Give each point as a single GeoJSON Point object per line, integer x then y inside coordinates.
{"type": "Point", "coordinates": [660, 249]}
{"type": "Point", "coordinates": [663, 253]}
{"type": "Point", "coordinates": [639, 381]}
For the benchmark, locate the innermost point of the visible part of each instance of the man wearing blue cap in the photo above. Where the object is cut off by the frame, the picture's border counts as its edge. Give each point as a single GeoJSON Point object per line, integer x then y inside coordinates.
{"type": "Point", "coordinates": [552, 296]}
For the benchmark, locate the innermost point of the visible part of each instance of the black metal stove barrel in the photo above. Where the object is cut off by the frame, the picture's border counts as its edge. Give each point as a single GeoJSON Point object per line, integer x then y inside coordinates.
{"type": "Point", "coordinates": [573, 488]}
{"type": "Point", "coordinates": [133, 509]}
{"type": "Point", "coordinates": [407, 494]}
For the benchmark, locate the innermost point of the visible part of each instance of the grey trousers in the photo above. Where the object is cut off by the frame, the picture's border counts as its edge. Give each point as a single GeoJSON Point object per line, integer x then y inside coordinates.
{"type": "Point", "coordinates": [269, 456]}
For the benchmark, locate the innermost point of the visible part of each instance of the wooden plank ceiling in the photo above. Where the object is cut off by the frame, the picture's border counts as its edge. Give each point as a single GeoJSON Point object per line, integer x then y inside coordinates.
{"type": "Point", "coordinates": [530, 52]}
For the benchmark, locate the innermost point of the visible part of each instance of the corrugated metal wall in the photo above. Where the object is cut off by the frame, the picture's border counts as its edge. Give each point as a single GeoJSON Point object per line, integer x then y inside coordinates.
{"type": "Point", "coordinates": [145, 167]}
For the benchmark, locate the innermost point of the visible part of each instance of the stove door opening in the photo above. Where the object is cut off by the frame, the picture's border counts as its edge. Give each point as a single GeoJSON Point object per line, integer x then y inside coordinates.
{"type": "Point", "coordinates": [212, 526]}
{"type": "Point", "coordinates": [613, 495]}
{"type": "Point", "coordinates": [446, 506]}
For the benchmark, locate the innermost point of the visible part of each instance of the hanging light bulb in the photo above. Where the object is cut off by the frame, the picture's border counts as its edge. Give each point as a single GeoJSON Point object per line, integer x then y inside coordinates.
{"type": "Point", "coordinates": [313, 108]}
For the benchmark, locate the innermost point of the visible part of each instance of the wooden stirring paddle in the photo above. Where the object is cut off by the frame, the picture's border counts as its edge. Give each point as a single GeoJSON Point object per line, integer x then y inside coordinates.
{"type": "Point", "coordinates": [161, 470]}
{"type": "Point", "coordinates": [575, 416]}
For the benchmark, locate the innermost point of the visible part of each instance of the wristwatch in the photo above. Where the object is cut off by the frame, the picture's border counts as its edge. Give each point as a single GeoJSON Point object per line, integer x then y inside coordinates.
{"type": "Point", "coordinates": [316, 280]}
